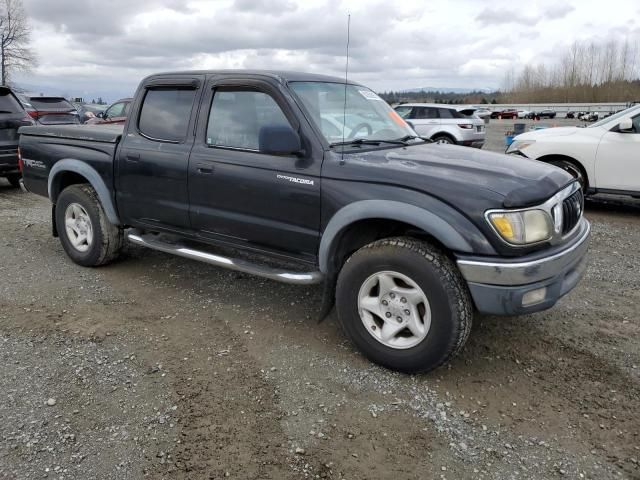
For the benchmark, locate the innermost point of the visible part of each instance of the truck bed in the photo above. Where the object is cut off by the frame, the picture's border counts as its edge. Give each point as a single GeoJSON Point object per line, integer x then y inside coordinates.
{"type": "Point", "coordinates": [42, 147]}
{"type": "Point", "coordinates": [92, 133]}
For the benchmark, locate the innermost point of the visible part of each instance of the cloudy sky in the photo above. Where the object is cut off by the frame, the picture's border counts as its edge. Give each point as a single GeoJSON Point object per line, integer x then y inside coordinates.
{"type": "Point", "coordinates": [104, 47]}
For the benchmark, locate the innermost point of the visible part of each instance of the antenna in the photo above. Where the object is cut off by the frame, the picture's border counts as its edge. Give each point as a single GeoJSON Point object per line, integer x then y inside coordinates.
{"type": "Point", "coordinates": [346, 78]}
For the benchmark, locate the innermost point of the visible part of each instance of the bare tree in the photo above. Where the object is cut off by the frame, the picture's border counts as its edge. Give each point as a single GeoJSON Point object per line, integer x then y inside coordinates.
{"type": "Point", "coordinates": [15, 39]}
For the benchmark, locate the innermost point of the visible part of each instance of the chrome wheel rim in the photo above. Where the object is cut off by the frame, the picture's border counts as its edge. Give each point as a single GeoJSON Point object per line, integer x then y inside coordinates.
{"type": "Point", "coordinates": [394, 310]}
{"type": "Point", "coordinates": [442, 141]}
{"type": "Point", "coordinates": [78, 227]}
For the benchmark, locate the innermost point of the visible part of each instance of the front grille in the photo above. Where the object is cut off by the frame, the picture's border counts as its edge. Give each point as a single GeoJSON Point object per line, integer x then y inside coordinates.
{"type": "Point", "coordinates": [572, 208]}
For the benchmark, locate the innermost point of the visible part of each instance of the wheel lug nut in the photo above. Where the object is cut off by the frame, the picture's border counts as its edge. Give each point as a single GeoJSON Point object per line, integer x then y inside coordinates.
{"type": "Point", "coordinates": [385, 303]}
{"type": "Point", "coordinates": [399, 319]}
{"type": "Point", "coordinates": [407, 312]}
{"type": "Point", "coordinates": [403, 300]}
{"type": "Point", "coordinates": [388, 314]}
{"type": "Point", "coordinates": [392, 295]}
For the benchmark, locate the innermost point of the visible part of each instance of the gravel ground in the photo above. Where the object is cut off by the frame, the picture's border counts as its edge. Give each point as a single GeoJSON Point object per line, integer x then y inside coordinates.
{"type": "Point", "coordinates": [159, 367]}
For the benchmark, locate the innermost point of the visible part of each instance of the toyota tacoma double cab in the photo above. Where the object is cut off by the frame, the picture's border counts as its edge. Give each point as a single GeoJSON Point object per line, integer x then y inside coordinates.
{"type": "Point", "coordinates": [308, 179]}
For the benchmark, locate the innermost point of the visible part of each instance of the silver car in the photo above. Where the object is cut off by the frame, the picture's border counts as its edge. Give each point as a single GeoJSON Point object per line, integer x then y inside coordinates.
{"type": "Point", "coordinates": [443, 123]}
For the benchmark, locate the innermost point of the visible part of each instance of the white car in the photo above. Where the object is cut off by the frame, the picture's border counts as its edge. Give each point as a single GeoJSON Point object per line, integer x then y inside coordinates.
{"type": "Point", "coordinates": [443, 123]}
{"type": "Point", "coordinates": [524, 113]}
{"type": "Point", "coordinates": [604, 157]}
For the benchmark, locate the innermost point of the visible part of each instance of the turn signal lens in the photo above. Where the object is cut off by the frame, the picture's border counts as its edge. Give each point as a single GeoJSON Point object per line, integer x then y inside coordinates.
{"type": "Point", "coordinates": [523, 227]}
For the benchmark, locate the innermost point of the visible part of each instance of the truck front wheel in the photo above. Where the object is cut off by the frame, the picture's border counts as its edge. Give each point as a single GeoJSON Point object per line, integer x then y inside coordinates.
{"type": "Point", "coordinates": [404, 304]}
{"type": "Point", "coordinates": [85, 232]}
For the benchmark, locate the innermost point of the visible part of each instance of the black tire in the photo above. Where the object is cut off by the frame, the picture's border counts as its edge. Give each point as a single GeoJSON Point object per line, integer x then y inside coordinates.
{"type": "Point", "coordinates": [108, 239]}
{"type": "Point", "coordinates": [448, 297]}
{"type": "Point", "coordinates": [443, 139]}
{"type": "Point", "coordinates": [575, 170]}
{"type": "Point", "coordinates": [14, 180]}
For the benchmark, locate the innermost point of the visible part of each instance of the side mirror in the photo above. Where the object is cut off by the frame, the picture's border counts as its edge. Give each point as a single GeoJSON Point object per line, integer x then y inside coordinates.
{"type": "Point", "coordinates": [625, 125]}
{"type": "Point", "coordinates": [100, 115]}
{"type": "Point", "coordinates": [279, 140]}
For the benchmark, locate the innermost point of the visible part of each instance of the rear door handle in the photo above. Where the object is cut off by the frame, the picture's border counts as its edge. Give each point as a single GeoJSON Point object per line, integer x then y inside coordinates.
{"type": "Point", "coordinates": [133, 157]}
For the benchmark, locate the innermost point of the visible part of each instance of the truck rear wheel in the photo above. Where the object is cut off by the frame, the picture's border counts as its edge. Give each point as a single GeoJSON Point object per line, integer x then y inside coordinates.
{"type": "Point", "coordinates": [14, 180]}
{"type": "Point", "coordinates": [404, 304]}
{"type": "Point", "coordinates": [85, 232]}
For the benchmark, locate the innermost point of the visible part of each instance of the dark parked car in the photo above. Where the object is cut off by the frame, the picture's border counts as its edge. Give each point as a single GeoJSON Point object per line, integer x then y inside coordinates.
{"type": "Point", "coordinates": [570, 115]}
{"type": "Point", "coordinates": [116, 113]}
{"type": "Point", "coordinates": [505, 114]}
{"type": "Point", "coordinates": [250, 171]}
{"type": "Point", "coordinates": [51, 110]}
{"type": "Point", "coordinates": [87, 111]}
{"type": "Point", "coordinates": [546, 113]}
{"type": "Point", "coordinates": [12, 117]}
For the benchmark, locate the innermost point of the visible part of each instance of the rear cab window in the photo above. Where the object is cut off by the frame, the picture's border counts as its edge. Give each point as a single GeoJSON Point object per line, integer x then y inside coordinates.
{"type": "Point", "coordinates": [165, 113]}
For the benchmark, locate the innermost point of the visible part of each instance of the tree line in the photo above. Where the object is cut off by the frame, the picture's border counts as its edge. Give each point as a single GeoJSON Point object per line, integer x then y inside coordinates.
{"type": "Point", "coordinates": [587, 72]}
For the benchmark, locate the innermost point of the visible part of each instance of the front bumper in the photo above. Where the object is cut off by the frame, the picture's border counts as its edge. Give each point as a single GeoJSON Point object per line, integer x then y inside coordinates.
{"type": "Point", "coordinates": [526, 285]}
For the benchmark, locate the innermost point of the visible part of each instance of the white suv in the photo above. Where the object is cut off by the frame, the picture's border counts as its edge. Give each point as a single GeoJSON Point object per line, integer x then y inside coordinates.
{"type": "Point", "coordinates": [443, 123]}
{"type": "Point", "coordinates": [604, 157]}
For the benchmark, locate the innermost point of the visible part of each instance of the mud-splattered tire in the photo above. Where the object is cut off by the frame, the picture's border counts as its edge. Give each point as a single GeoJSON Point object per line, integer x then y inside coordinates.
{"type": "Point", "coordinates": [404, 304]}
{"type": "Point", "coordinates": [79, 214]}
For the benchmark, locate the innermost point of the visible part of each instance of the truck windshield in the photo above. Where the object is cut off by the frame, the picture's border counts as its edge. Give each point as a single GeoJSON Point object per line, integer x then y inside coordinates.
{"type": "Point", "coordinates": [366, 116]}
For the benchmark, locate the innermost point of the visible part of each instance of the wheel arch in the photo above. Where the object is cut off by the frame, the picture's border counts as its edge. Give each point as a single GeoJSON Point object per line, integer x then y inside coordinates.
{"type": "Point", "coordinates": [550, 158]}
{"type": "Point", "coordinates": [70, 171]}
{"type": "Point", "coordinates": [365, 221]}
{"type": "Point", "coordinates": [445, 133]}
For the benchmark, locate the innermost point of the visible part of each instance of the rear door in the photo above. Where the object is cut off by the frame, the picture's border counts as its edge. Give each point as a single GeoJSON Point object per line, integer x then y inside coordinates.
{"type": "Point", "coordinates": [152, 162]}
{"type": "Point", "coordinates": [241, 195]}
{"type": "Point", "coordinates": [12, 117]}
{"type": "Point", "coordinates": [618, 160]}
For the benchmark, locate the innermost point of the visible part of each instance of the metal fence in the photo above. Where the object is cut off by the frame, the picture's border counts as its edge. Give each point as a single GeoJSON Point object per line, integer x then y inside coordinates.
{"type": "Point", "coordinates": [562, 107]}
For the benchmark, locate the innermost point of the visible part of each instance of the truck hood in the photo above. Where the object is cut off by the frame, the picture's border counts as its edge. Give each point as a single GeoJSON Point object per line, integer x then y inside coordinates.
{"type": "Point", "coordinates": [464, 177]}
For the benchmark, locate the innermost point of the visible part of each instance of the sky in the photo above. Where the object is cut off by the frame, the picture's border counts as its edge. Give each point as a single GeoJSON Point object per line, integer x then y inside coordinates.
{"type": "Point", "coordinates": [92, 48]}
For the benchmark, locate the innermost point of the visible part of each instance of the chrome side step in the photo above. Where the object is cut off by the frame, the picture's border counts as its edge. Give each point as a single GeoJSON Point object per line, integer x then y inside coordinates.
{"type": "Point", "coordinates": [297, 278]}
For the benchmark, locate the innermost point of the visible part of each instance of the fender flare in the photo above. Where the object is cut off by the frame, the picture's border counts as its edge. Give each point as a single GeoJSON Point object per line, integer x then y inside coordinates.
{"type": "Point", "coordinates": [391, 210]}
{"type": "Point", "coordinates": [92, 176]}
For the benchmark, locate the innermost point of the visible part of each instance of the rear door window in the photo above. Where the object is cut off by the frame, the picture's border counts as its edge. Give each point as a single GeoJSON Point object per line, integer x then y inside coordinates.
{"type": "Point", "coordinates": [165, 113]}
{"type": "Point", "coordinates": [449, 113]}
{"type": "Point", "coordinates": [9, 103]}
{"type": "Point", "coordinates": [237, 116]}
{"type": "Point", "coordinates": [425, 113]}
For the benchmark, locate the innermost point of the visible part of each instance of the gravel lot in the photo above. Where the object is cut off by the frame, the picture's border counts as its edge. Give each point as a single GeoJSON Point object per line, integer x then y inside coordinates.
{"type": "Point", "coordinates": [159, 367]}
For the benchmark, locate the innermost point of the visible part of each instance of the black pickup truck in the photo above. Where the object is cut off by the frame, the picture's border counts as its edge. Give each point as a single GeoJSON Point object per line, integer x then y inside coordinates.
{"type": "Point", "coordinates": [307, 179]}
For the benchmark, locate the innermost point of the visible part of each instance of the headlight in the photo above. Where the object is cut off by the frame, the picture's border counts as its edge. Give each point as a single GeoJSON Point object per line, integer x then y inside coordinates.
{"type": "Point", "coordinates": [523, 227]}
{"type": "Point", "coordinates": [519, 145]}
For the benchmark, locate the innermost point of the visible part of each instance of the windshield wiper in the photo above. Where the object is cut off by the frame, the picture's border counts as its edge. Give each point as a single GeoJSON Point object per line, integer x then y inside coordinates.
{"type": "Point", "coordinates": [414, 137]}
{"type": "Point", "coordinates": [369, 141]}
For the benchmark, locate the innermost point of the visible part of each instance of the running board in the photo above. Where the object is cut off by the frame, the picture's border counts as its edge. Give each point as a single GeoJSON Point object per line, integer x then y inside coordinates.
{"type": "Point", "coordinates": [297, 278]}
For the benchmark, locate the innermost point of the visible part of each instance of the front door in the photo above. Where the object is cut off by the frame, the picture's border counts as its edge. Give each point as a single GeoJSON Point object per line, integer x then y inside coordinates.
{"type": "Point", "coordinates": [152, 162]}
{"type": "Point", "coordinates": [618, 160]}
{"type": "Point", "coordinates": [241, 195]}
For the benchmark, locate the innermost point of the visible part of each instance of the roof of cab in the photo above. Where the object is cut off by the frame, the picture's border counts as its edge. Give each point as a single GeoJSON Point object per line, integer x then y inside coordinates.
{"type": "Point", "coordinates": [280, 75]}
